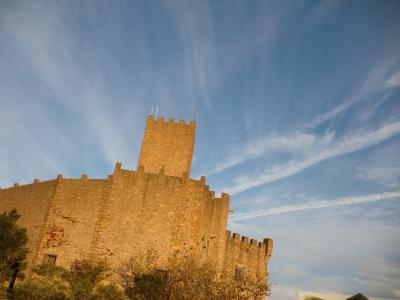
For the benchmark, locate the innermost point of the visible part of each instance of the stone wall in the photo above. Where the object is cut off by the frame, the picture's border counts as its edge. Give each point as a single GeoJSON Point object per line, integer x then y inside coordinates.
{"type": "Point", "coordinates": [156, 207]}
{"type": "Point", "coordinates": [70, 225]}
{"type": "Point", "coordinates": [160, 212]}
{"type": "Point", "coordinates": [130, 212]}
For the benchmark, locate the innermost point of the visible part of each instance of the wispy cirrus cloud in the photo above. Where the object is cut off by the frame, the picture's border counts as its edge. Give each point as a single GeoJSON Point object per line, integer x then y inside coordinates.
{"type": "Point", "coordinates": [382, 167]}
{"type": "Point", "coordinates": [195, 27]}
{"type": "Point", "coordinates": [68, 89]}
{"type": "Point", "coordinates": [380, 78]}
{"type": "Point", "coordinates": [298, 143]}
{"type": "Point", "coordinates": [318, 204]}
{"type": "Point", "coordinates": [393, 80]}
{"type": "Point", "coordinates": [388, 175]}
{"type": "Point", "coordinates": [347, 144]}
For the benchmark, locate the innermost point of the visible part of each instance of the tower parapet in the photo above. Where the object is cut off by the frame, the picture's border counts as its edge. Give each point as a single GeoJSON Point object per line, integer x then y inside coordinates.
{"type": "Point", "coordinates": [167, 145]}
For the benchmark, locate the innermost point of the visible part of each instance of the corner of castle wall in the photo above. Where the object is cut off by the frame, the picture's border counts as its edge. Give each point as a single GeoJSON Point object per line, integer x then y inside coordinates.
{"type": "Point", "coordinates": [246, 252]}
{"type": "Point", "coordinates": [268, 248]}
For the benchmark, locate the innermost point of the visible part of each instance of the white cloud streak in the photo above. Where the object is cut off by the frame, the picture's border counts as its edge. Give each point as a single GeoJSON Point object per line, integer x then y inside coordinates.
{"type": "Point", "coordinates": [377, 80]}
{"type": "Point", "coordinates": [346, 145]}
{"type": "Point", "coordinates": [195, 27]}
{"type": "Point", "coordinates": [318, 204]}
{"type": "Point", "coordinates": [393, 80]}
{"type": "Point", "coordinates": [388, 176]}
{"type": "Point", "coordinates": [297, 143]}
{"type": "Point", "coordinates": [78, 92]}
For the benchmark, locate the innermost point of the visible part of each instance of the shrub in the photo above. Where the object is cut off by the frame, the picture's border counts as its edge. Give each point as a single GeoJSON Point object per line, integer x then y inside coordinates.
{"type": "Point", "coordinates": [186, 277]}
{"type": "Point", "coordinates": [86, 280]}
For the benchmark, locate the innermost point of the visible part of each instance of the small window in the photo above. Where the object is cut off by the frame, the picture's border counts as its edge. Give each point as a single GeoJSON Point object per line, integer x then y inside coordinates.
{"type": "Point", "coordinates": [238, 274]}
{"type": "Point", "coordinates": [49, 259]}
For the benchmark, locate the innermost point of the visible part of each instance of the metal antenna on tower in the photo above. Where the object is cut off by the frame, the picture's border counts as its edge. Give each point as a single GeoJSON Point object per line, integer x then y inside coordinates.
{"type": "Point", "coordinates": [151, 112]}
{"type": "Point", "coordinates": [156, 111]}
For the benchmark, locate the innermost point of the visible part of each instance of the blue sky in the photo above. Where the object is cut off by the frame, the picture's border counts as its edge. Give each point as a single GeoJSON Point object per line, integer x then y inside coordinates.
{"type": "Point", "coordinates": [297, 109]}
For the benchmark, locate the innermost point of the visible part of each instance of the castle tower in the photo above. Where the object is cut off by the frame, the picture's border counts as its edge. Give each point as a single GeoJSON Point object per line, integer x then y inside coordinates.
{"type": "Point", "coordinates": [169, 145]}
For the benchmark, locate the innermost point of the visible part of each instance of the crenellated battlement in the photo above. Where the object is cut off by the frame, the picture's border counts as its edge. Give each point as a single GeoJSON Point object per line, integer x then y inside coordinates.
{"type": "Point", "coordinates": [60, 178]}
{"type": "Point", "coordinates": [141, 173]}
{"type": "Point", "coordinates": [168, 181]}
{"type": "Point", "coordinates": [244, 240]}
{"type": "Point", "coordinates": [171, 121]}
{"type": "Point", "coordinates": [244, 245]}
{"type": "Point", "coordinates": [17, 185]}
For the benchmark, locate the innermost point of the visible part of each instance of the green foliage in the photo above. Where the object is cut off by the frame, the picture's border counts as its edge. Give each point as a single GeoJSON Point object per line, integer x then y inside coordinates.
{"type": "Point", "coordinates": [108, 292]}
{"type": "Point", "coordinates": [147, 286]}
{"type": "Point", "coordinates": [47, 283]}
{"type": "Point", "coordinates": [186, 277]}
{"type": "Point", "coordinates": [13, 240]}
{"type": "Point", "coordinates": [37, 291]}
{"type": "Point", "coordinates": [84, 281]}
{"type": "Point", "coordinates": [84, 278]}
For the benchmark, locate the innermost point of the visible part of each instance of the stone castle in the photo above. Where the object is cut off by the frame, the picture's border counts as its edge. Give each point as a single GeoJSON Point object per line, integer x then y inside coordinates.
{"type": "Point", "coordinates": [157, 207]}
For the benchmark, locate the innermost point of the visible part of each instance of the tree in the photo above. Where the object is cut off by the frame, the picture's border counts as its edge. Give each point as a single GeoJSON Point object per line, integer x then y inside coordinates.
{"type": "Point", "coordinates": [13, 250]}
